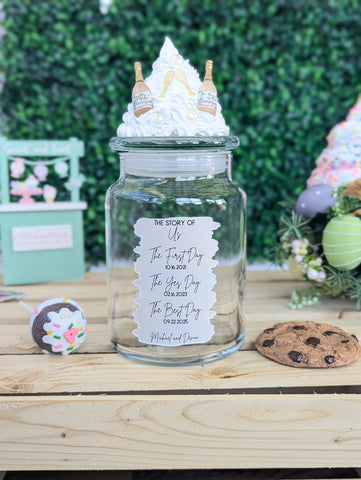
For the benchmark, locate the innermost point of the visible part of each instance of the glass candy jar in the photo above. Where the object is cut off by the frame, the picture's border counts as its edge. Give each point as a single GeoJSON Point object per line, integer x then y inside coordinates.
{"type": "Point", "coordinates": [175, 237]}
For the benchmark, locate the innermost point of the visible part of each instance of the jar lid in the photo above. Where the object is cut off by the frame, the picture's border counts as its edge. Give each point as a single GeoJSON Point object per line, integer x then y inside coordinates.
{"type": "Point", "coordinates": [127, 144]}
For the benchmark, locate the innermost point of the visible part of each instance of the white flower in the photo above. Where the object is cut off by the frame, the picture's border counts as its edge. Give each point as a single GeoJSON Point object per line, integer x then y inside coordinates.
{"type": "Point", "coordinates": [320, 277]}
{"type": "Point", "coordinates": [296, 244]}
{"type": "Point", "coordinates": [312, 274]}
{"type": "Point", "coordinates": [298, 258]}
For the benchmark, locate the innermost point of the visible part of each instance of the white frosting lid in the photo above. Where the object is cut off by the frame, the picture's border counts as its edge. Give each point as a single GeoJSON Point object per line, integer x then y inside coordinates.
{"type": "Point", "coordinates": [174, 97]}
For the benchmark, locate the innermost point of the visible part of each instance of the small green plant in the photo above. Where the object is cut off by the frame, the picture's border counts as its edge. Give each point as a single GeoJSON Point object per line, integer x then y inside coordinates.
{"type": "Point", "coordinates": [305, 257]}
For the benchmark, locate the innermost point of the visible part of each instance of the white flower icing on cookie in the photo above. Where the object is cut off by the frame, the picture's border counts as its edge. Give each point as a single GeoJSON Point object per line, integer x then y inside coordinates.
{"type": "Point", "coordinates": [58, 326]}
{"type": "Point", "coordinates": [65, 331]}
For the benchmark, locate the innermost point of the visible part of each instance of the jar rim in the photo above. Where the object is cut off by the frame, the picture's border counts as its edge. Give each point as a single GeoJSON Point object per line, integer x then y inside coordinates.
{"type": "Point", "coordinates": [128, 144]}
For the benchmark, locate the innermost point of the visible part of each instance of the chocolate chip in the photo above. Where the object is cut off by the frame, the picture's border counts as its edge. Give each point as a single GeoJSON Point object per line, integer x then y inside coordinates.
{"type": "Point", "coordinates": [330, 359]}
{"type": "Point", "coordinates": [299, 327]}
{"type": "Point", "coordinates": [354, 336]}
{"type": "Point", "coordinates": [268, 330]}
{"type": "Point", "coordinates": [268, 343]}
{"type": "Point", "coordinates": [295, 356]}
{"type": "Point", "coordinates": [313, 341]}
{"type": "Point", "coordinates": [329, 333]}
{"type": "Point", "coordinates": [345, 341]}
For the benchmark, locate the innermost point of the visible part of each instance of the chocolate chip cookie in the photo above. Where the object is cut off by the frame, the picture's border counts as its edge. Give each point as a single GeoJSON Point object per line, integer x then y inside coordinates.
{"type": "Point", "coordinates": [308, 344]}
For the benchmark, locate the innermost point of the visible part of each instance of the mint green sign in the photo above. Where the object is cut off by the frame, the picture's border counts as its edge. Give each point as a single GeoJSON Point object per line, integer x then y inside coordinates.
{"type": "Point", "coordinates": [41, 237]}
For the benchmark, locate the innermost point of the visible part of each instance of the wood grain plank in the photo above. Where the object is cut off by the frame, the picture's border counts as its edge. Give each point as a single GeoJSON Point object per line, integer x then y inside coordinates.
{"type": "Point", "coordinates": [133, 424]}
{"type": "Point", "coordinates": [12, 313]}
{"type": "Point", "coordinates": [177, 432]}
{"type": "Point", "coordinates": [97, 373]}
{"type": "Point", "coordinates": [267, 300]}
{"type": "Point", "coordinates": [15, 338]}
{"type": "Point", "coordinates": [268, 293]}
{"type": "Point", "coordinates": [265, 291]}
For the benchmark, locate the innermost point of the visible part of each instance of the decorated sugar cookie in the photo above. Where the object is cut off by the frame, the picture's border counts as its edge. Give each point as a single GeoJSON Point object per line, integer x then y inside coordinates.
{"type": "Point", "coordinates": [58, 326]}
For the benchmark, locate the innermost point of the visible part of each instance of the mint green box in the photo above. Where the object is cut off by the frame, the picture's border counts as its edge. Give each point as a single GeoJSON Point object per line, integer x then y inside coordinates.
{"type": "Point", "coordinates": [41, 242]}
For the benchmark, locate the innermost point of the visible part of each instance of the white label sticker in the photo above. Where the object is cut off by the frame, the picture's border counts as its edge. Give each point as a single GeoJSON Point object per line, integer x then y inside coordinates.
{"type": "Point", "coordinates": [42, 237]}
{"type": "Point", "coordinates": [207, 100]}
{"type": "Point", "coordinates": [142, 100]}
{"type": "Point", "coordinates": [175, 280]}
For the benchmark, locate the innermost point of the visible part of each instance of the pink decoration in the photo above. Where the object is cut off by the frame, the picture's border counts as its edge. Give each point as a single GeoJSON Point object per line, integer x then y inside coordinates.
{"type": "Point", "coordinates": [70, 335]}
{"type": "Point", "coordinates": [26, 195]}
{"type": "Point", "coordinates": [17, 167]}
{"type": "Point", "coordinates": [26, 190]}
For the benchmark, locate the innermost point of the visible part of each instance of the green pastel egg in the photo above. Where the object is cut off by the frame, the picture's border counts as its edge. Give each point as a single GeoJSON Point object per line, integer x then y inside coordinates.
{"type": "Point", "coordinates": [341, 242]}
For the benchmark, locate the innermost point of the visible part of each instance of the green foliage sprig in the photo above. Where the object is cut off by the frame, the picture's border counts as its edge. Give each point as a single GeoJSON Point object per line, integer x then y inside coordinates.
{"type": "Point", "coordinates": [304, 255]}
{"type": "Point", "coordinates": [344, 203]}
{"type": "Point", "coordinates": [294, 226]}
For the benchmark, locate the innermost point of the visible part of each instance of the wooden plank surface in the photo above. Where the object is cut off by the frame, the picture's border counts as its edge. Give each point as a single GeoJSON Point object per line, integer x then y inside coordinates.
{"type": "Point", "coordinates": [98, 373]}
{"type": "Point", "coordinates": [96, 368]}
{"type": "Point", "coordinates": [267, 293]}
{"type": "Point", "coordinates": [95, 409]}
{"type": "Point", "coordinates": [267, 299]}
{"type": "Point", "coordinates": [147, 432]}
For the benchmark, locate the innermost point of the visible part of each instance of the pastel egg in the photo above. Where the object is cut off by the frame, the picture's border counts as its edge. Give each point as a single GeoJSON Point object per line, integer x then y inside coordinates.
{"type": "Point", "coordinates": [341, 241]}
{"type": "Point", "coordinates": [315, 199]}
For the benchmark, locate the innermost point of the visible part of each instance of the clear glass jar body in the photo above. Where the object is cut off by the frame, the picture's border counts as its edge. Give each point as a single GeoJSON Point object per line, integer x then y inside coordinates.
{"type": "Point", "coordinates": [184, 183]}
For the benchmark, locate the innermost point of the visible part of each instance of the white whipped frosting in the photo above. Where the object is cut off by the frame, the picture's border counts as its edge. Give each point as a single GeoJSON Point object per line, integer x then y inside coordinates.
{"type": "Point", "coordinates": [175, 113]}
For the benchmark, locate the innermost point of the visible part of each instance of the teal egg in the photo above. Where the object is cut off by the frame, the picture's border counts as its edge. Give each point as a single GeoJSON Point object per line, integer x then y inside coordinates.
{"type": "Point", "coordinates": [341, 242]}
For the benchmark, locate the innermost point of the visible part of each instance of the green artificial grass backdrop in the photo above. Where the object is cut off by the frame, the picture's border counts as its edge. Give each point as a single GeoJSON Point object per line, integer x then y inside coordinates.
{"type": "Point", "coordinates": [286, 71]}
